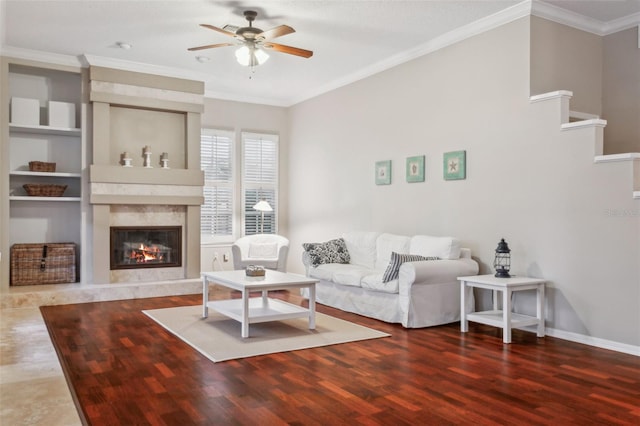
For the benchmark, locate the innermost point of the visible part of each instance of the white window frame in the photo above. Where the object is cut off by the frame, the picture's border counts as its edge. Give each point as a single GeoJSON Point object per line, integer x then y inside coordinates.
{"type": "Point", "coordinates": [232, 185]}
{"type": "Point", "coordinates": [264, 185]}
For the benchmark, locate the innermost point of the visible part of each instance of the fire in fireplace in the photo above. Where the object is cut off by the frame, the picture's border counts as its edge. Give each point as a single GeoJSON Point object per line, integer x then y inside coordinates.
{"type": "Point", "coordinates": [146, 247]}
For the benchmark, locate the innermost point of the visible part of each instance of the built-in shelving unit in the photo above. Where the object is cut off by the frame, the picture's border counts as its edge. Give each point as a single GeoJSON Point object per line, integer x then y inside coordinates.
{"type": "Point", "coordinates": [44, 130]}
{"type": "Point", "coordinates": [39, 219]}
{"type": "Point", "coordinates": [45, 199]}
{"type": "Point", "coordinates": [47, 174]}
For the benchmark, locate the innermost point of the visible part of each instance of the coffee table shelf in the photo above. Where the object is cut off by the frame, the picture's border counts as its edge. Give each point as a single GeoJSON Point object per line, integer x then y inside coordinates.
{"type": "Point", "coordinates": [273, 310]}
{"type": "Point", "coordinates": [250, 310]}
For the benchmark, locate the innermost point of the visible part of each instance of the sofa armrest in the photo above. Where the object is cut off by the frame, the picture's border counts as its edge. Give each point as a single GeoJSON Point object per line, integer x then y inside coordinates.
{"type": "Point", "coordinates": [427, 272]}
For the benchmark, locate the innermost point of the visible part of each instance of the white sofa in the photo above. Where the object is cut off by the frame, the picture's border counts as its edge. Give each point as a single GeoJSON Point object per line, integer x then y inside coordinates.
{"type": "Point", "coordinates": [426, 292]}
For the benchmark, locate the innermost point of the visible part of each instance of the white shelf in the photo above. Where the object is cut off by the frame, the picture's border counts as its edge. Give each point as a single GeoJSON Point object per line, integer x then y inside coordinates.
{"type": "Point", "coordinates": [44, 130]}
{"type": "Point", "coordinates": [46, 174]}
{"type": "Point", "coordinates": [275, 310]}
{"type": "Point", "coordinates": [29, 198]}
{"type": "Point", "coordinates": [495, 319]}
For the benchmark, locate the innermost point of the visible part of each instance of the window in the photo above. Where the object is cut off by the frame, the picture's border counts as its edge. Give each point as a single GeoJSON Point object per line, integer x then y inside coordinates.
{"type": "Point", "coordinates": [259, 182]}
{"type": "Point", "coordinates": [216, 160]}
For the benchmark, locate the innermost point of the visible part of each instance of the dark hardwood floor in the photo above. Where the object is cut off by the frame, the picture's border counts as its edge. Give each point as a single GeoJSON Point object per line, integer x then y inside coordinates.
{"type": "Point", "coordinates": [124, 369]}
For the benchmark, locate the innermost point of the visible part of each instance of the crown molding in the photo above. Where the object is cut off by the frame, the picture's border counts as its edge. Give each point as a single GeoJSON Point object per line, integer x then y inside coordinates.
{"type": "Point", "coordinates": [566, 17]}
{"type": "Point", "coordinates": [621, 24]}
{"type": "Point", "coordinates": [40, 56]}
{"type": "Point", "coordinates": [234, 97]}
{"type": "Point", "coordinates": [505, 16]}
{"type": "Point", "coordinates": [102, 61]}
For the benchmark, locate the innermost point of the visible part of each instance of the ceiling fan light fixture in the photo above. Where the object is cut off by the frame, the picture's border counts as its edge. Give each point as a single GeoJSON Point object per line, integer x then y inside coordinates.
{"type": "Point", "coordinates": [251, 56]}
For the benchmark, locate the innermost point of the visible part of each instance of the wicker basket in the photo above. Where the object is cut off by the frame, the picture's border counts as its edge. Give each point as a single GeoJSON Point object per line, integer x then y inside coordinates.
{"type": "Point", "coordinates": [51, 263]}
{"type": "Point", "coordinates": [44, 189]}
{"type": "Point", "coordinates": [40, 166]}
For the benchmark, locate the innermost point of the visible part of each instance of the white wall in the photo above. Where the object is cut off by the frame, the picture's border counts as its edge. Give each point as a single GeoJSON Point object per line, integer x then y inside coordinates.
{"type": "Point", "coordinates": [526, 181]}
{"type": "Point", "coordinates": [602, 72]}
{"type": "Point", "coordinates": [621, 91]}
{"type": "Point", "coordinates": [568, 58]}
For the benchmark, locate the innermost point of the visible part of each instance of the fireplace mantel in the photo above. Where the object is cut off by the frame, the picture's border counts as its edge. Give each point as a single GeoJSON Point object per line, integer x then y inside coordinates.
{"type": "Point", "coordinates": [139, 185]}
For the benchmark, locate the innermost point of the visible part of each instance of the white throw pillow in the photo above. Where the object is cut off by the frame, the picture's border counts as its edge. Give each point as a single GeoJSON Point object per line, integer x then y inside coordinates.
{"type": "Point", "coordinates": [442, 247]}
{"type": "Point", "coordinates": [263, 250]}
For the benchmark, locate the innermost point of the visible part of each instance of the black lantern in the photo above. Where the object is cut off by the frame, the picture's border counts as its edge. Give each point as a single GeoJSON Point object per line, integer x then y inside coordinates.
{"type": "Point", "coordinates": [502, 263]}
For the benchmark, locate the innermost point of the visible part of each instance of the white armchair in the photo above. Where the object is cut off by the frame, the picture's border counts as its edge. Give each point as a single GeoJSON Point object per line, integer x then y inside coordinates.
{"type": "Point", "coordinates": [268, 250]}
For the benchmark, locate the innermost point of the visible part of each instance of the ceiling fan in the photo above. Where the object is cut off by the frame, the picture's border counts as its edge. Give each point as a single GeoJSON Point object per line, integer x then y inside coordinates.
{"type": "Point", "coordinates": [253, 40]}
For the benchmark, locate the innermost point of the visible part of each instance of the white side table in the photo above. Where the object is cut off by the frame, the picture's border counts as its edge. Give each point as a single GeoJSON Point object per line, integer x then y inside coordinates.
{"type": "Point", "coordinates": [504, 318]}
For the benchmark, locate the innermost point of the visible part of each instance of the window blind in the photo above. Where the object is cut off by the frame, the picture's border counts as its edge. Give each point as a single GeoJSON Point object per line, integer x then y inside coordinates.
{"type": "Point", "coordinates": [216, 159]}
{"type": "Point", "coordinates": [260, 181]}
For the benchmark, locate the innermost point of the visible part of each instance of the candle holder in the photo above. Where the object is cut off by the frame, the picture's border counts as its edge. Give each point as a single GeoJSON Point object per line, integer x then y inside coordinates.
{"type": "Point", "coordinates": [147, 161]}
{"type": "Point", "coordinates": [146, 153]}
{"type": "Point", "coordinates": [125, 160]}
{"type": "Point", "coordinates": [164, 160]}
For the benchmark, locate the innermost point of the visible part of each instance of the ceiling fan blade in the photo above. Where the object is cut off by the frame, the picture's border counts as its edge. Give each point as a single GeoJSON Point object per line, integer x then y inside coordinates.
{"type": "Point", "coordinates": [278, 31]}
{"type": "Point", "coordinates": [288, 49]}
{"type": "Point", "coordinates": [220, 30]}
{"type": "Point", "coordinates": [209, 46]}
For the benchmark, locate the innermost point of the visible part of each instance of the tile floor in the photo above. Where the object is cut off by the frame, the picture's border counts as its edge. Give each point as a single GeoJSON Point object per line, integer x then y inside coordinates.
{"type": "Point", "coordinates": [33, 390]}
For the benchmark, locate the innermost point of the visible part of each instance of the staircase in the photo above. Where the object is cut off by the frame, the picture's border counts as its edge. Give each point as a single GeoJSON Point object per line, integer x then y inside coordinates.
{"type": "Point", "coordinates": [574, 120]}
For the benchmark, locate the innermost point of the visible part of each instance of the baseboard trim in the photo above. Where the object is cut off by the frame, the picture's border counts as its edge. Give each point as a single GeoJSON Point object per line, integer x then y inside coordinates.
{"type": "Point", "coordinates": [590, 340]}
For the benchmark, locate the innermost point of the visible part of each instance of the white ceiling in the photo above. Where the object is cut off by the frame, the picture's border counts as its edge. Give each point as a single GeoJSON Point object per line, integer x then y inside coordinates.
{"type": "Point", "coordinates": [350, 39]}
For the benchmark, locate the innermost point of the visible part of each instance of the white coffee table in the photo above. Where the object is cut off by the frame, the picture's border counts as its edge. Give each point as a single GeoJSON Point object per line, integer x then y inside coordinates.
{"type": "Point", "coordinates": [250, 310]}
{"type": "Point", "coordinates": [504, 318]}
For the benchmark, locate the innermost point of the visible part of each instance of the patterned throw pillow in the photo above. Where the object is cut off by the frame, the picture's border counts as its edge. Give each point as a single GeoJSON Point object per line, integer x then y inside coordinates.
{"type": "Point", "coordinates": [333, 251]}
{"type": "Point", "coordinates": [397, 259]}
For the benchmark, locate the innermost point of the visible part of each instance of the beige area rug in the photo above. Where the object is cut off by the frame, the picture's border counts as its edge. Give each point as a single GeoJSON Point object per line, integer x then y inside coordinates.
{"type": "Point", "coordinates": [218, 337]}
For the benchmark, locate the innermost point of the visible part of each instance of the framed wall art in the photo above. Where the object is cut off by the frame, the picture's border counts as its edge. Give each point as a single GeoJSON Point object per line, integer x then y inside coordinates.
{"type": "Point", "coordinates": [383, 172]}
{"type": "Point", "coordinates": [455, 165]}
{"type": "Point", "coordinates": [415, 169]}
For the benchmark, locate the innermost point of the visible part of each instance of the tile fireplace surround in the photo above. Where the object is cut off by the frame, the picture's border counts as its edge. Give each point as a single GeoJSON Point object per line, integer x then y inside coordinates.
{"type": "Point", "coordinates": [145, 216]}
{"type": "Point", "coordinates": [154, 202]}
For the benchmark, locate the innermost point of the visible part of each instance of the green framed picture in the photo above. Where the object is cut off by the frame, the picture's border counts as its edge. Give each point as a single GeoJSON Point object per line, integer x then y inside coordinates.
{"type": "Point", "coordinates": [415, 169]}
{"type": "Point", "coordinates": [383, 172]}
{"type": "Point", "coordinates": [455, 165]}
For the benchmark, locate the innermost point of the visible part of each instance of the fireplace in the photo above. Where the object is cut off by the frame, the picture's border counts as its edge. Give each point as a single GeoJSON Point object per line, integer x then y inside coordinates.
{"type": "Point", "coordinates": [134, 247]}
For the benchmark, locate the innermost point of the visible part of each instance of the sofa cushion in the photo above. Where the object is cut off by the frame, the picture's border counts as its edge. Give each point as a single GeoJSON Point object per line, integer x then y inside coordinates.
{"type": "Point", "coordinates": [350, 275]}
{"type": "Point", "coordinates": [397, 259]}
{"type": "Point", "coordinates": [332, 251]}
{"type": "Point", "coordinates": [374, 282]}
{"type": "Point", "coordinates": [323, 272]}
{"type": "Point", "coordinates": [339, 273]}
{"type": "Point", "coordinates": [362, 247]}
{"type": "Point", "coordinates": [388, 243]}
{"type": "Point", "coordinates": [442, 247]}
